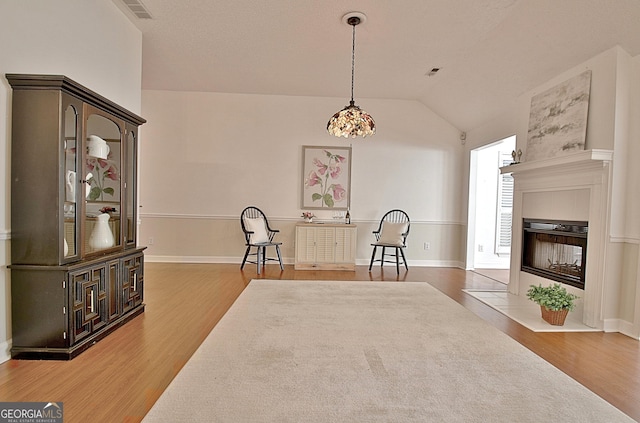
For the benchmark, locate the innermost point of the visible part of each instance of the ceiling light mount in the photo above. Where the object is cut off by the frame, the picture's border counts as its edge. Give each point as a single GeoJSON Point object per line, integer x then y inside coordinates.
{"type": "Point", "coordinates": [354, 18]}
{"type": "Point", "coordinates": [352, 121]}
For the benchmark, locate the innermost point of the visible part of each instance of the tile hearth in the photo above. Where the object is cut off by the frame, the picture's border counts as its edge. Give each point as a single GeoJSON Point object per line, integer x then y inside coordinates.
{"type": "Point", "coordinates": [526, 312]}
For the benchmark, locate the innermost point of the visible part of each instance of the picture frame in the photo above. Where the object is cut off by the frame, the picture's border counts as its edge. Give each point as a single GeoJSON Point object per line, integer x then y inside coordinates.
{"type": "Point", "coordinates": [558, 119]}
{"type": "Point", "coordinates": [326, 178]}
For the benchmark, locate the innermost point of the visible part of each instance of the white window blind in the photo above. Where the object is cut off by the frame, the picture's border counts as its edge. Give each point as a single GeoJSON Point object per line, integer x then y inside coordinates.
{"type": "Point", "coordinates": [504, 207]}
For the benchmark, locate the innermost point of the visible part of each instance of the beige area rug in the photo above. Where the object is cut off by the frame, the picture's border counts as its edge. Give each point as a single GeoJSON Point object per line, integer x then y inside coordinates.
{"type": "Point", "coordinates": [322, 351]}
{"type": "Point", "coordinates": [527, 313]}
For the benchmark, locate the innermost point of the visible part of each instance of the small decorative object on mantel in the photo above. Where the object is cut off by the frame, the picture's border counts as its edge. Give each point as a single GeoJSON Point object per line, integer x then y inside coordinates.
{"type": "Point", "coordinates": [308, 216]}
{"type": "Point", "coordinates": [554, 301]}
{"type": "Point", "coordinates": [516, 156]}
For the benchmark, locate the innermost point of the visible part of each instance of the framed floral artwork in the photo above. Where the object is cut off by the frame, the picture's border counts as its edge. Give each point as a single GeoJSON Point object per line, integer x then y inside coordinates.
{"type": "Point", "coordinates": [326, 177]}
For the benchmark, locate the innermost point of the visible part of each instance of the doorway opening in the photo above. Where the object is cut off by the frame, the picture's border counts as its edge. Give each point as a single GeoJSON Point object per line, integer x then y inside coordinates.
{"type": "Point", "coordinates": [490, 210]}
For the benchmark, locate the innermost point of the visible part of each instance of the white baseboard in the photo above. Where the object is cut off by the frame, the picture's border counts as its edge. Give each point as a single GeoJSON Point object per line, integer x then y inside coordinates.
{"type": "Point", "coordinates": [199, 259]}
{"type": "Point", "coordinates": [190, 259]}
{"type": "Point", "coordinates": [149, 258]}
{"type": "Point", "coordinates": [624, 327]}
{"type": "Point", "coordinates": [419, 263]}
{"type": "Point", "coordinates": [5, 351]}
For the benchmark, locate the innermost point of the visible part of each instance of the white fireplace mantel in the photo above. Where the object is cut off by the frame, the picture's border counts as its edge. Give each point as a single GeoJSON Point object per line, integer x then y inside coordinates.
{"type": "Point", "coordinates": [565, 163]}
{"type": "Point", "coordinates": [574, 186]}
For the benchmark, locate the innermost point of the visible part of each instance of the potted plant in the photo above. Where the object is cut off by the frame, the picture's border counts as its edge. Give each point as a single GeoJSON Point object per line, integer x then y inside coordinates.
{"type": "Point", "coordinates": [554, 301]}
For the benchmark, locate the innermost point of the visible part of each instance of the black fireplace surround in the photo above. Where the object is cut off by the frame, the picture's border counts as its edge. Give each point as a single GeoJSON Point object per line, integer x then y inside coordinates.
{"type": "Point", "coordinates": [555, 250]}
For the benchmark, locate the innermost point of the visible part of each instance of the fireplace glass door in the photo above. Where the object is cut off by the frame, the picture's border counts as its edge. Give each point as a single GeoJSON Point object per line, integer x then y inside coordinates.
{"type": "Point", "coordinates": [555, 250]}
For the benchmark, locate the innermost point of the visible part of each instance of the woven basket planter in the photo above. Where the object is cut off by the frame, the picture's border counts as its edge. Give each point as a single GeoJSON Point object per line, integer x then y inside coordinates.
{"type": "Point", "coordinates": [554, 317]}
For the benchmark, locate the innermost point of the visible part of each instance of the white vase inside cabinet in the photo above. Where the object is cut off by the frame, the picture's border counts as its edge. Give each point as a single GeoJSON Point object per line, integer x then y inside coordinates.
{"type": "Point", "coordinates": [325, 246]}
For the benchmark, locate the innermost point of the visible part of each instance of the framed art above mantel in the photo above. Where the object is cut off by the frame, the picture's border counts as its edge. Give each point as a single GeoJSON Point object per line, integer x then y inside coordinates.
{"type": "Point", "coordinates": [326, 177]}
{"type": "Point", "coordinates": [558, 119]}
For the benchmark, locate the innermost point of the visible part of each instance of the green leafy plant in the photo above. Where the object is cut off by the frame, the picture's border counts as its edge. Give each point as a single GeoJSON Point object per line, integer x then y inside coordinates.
{"type": "Point", "coordinates": [553, 297]}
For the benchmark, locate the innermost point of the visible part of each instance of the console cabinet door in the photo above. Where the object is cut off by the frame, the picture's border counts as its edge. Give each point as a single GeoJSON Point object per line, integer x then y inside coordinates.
{"type": "Point", "coordinates": [315, 244]}
{"type": "Point", "coordinates": [325, 244]}
{"type": "Point", "coordinates": [132, 282]}
{"type": "Point", "coordinates": [89, 308]}
{"type": "Point", "coordinates": [305, 245]}
{"type": "Point", "coordinates": [345, 241]}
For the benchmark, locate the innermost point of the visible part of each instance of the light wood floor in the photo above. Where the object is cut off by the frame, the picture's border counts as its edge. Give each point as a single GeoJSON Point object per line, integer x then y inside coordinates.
{"type": "Point", "coordinates": [120, 378]}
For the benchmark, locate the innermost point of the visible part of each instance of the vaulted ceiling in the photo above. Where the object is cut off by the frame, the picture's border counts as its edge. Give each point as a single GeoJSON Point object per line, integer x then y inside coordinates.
{"type": "Point", "coordinates": [488, 51]}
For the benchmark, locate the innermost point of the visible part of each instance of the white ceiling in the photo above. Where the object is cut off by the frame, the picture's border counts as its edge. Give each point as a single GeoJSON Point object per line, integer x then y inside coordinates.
{"type": "Point", "coordinates": [489, 51]}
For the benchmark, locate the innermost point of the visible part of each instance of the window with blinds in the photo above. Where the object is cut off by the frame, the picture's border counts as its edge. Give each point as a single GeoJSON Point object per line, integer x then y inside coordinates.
{"type": "Point", "coordinates": [504, 207]}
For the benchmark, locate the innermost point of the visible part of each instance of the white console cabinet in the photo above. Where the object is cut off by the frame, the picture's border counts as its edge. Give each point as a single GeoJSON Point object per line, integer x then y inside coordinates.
{"type": "Point", "coordinates": [326, 246]}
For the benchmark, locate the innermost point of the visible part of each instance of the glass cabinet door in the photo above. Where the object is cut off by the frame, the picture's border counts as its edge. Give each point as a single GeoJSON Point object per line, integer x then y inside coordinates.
{"type": "Point", "coordinates": [103, 182]}
{"type": "Point", "coordinates": [70, 141]}
{"type": "Point", "coordinates": [131, 158]}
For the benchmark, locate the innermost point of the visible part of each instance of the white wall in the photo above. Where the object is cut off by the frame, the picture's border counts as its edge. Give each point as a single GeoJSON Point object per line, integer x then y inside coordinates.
{"type": "Point", "coordinates": [632, 218]}
{"type": "Point", "coordinates": [206, 156]}
{"type": "Point", "coordinates": [91, 42]}
{"type": "Point", "coordinates": [630, 292]}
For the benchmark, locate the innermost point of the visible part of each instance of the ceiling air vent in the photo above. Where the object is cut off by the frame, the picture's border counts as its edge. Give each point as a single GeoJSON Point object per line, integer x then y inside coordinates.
{"type": "Point", "coordinates": [137, 8]}
{"type": "Point", "coordinates": [433, 72]}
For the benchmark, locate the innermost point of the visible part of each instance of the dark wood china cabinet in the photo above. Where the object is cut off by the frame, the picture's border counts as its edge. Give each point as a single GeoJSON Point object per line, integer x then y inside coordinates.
{"type": "Point", "coordinates": [76, 270]}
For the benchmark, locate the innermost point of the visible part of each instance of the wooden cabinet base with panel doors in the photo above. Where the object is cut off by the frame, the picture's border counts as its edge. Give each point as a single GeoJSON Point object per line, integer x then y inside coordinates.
{"type": "Point", "coordinates": [76, 270]}
{"type": "Point", "coordinates": [325, 246]}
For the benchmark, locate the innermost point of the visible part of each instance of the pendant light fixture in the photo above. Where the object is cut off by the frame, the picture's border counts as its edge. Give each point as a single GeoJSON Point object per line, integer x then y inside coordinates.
{"type": "Point", "coordinates": [352, 121]}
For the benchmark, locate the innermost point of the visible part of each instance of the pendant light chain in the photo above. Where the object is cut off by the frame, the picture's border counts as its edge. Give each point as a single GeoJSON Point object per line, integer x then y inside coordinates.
{"type": "Point", "coordinates": [353, 59]}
